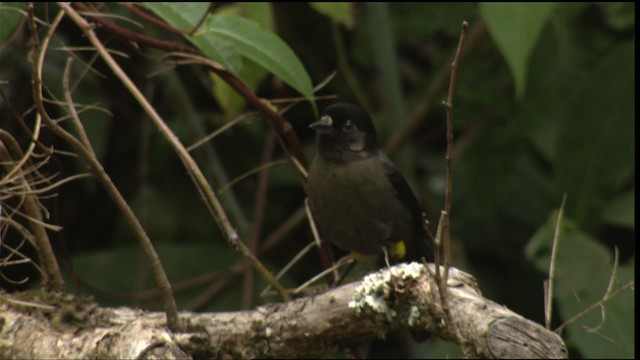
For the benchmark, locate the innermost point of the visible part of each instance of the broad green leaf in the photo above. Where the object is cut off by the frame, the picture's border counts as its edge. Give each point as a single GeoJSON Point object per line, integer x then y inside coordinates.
{"type": "Point", "coordinates": [260, 12]}
{"type": "Point", "coordinates": [223, 38]}
{"type": "Point", "coordinates": [621, 211]}
{"type": "Point", "coordinates": [340, 12]}
{"type": "Point", "coordinates": [228, 98]}
{"type": "Point", "coordinates": [594, 154]}
{"type": "Point", "coordinates": [252, 73]}
{"type": "Point", "coordinates": [583, 271]}
{"type": "Point", "coordinates": [515, 28]}
{"type": "Point", "coordinates": [185, 16]}
{"type": "Point", "coordinates": [10, 15]}
{"type": "Point", "coordinates": [262, 47]}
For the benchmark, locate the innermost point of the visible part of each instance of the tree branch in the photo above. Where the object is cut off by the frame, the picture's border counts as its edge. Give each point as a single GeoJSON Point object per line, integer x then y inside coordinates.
{"type": "Point", "coordinates": [322, 325]}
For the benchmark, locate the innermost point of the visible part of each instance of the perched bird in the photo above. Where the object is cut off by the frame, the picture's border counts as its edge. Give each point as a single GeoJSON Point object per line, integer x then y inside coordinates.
{"type": "Point", "coordinates": [359, 200]}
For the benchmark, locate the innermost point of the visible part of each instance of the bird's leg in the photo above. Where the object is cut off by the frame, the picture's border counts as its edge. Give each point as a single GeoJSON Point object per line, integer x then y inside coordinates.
{"type": "Point", "coordinates": [386, 261]}
{"type": "Point", "coordinates": [386, 257]}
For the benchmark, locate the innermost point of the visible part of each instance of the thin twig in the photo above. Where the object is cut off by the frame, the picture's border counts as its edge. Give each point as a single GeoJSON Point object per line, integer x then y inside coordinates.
{"type": "Point", "coordinates": [282, 127]}
{"type": "Point", "coordinates": [220, 130]}
{"type": "Point", "coordinates": [290, 264]}
{"type": "Point", "coordinates": [132, 35]}
{"type": "Point", "coordinates": [437, 242]}
{"type": "Point", "coordinates": [449, 188]}
{"type": "Point", "coordinates": [258, 216]}
{"type": "Point", "coordinates": [312, 223]}
{"type": "Point", "coordinates": [440, 80]}
{"type": "Point", "coordinates": [260, 168]}
{"type": "Point", "coordinates": [202, 18]}
{"type": "Point", "coordinates": [212, 202]}
{"type": "Point", "coordinates": [9, 150]}
{"type": "Point", "coordinates": [346, 260]}
{"type": "Point", "coordinates": [230, 273]}
{"type": "Point", "coordinates": [603, 312]}
{"type": "Point", "coordinates": [552, 265]}
{"type": "Point", "coordinates": [582, 313]}
{"type": "Point", "coordinates": [97, 168]}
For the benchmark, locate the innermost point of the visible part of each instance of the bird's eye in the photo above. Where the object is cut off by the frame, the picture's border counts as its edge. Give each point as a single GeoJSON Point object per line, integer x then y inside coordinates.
{"type": "Point", "coordinates": [348, 126]}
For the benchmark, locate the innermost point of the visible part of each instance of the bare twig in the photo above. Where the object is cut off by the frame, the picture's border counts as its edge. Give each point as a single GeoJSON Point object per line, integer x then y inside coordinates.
{"type": "Point", "coordinates": [436, 85]}
{"type": "Point", "coordinates": [289, 265]}
{"type": "Point", "coordinates": [552, 266]}
{"type": "Point", "coordinates": [9, 149]}
{"type": "Point", "coordinates": [612, 280]}
{"type": "Point", "coordinates": [258, 216]}
{"type": "Point", "coordinates": [174, 29]}
{"type": "Point", "coordinates": [332, 271]}
{"type": "Point", "coordinates": [202, 185]}
{"type": "Point", "coordinates": [448, 191]}
{"type": "Point", "coordinates": [281, 126]}
{"type": "Point", "coordinates": [87, 153]}
{"type": "Point", "coordinates": [132, 35]}
{"type": "Point", "coordinates": [259, 169]}
{"type": "Point", "coordinates": [437, 257]}
{"type": "Point", "coordinates": [220, 130]}
{"type": "Point", "coordinates": [7, 259]}
{"type": "Point", "coordinates": [582, 313]}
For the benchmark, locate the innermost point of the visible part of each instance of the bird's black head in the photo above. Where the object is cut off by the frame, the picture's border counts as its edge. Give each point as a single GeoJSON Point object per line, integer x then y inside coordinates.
{"type": "Point", "coordinates": [345, 133]}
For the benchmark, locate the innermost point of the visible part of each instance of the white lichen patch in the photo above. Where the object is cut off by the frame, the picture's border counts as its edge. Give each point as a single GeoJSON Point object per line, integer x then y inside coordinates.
{"type": "Point", "coordinates": [412, 270]}
{"type": "Point", "coordinates": [373, 292]}
{"type": "Point", "coordinates": [414, 316]}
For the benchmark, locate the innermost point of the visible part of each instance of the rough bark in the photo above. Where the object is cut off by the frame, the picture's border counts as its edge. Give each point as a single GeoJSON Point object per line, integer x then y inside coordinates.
{"type": "Point", "coordinates": [319, 325]}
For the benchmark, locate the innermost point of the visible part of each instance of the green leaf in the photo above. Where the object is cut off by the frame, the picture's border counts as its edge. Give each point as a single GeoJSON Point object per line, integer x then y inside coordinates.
{"type": "Point", "coordinates": [619, 15]}
{"type": "Point", "coordinates": [260, 12]}
{"type": "Point", "coordinates": [621, 211]}
{"type": "Point", "coordinates": [594, 154]}
{"type": "Point", "coordinates": [340, 12]}
{"type": "Point", "coordinates": [231, 102]}
{"type": "Point", "coordinates": [262, 47]}
{"type": "Point", "coordinates": [515, 28]}
{"type": "Point", "coordinates": [583, 271]}
{"type": "Point", "coordinates": [228, 97]}
{"type": "Point", "coordinates": [224, 38]}
{"type": "Point", "coordinates": [185, 16]}
{"type": "Point", "coordinates": [10, 15]}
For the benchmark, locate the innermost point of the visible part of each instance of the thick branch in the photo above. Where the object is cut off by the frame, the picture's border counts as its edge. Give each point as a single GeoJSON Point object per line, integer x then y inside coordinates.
{"type": "Point", "coordinates": [318, 325]}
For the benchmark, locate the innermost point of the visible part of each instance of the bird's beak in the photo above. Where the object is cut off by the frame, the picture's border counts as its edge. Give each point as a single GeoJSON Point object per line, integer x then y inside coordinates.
{"type": "Point", "coordinates": [323, 125]}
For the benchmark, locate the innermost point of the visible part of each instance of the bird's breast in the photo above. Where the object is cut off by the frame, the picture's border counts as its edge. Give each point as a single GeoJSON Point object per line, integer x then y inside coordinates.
{"type": "Point", "coordinates": [355, 206]}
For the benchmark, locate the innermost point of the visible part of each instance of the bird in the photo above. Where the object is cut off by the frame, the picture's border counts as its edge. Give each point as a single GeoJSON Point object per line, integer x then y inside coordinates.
{"type": "Point", "coordinates": [360, 202]}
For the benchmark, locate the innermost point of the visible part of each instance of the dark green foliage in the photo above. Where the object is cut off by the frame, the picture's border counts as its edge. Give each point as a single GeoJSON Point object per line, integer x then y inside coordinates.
{"type": "Point", "coordinates": [566, 124]}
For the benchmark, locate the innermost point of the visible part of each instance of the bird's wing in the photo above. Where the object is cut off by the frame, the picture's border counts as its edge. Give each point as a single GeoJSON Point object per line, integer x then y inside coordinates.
{"type": "Point", "coordinates": [420, 244]}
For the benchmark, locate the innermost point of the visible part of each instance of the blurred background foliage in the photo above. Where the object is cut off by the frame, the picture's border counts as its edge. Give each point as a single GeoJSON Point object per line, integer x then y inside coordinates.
{"type": "Point", "coordinates": [544, 105]}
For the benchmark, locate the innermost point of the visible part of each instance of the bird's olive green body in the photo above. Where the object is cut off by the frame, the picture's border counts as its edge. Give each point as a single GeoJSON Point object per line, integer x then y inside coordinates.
{"type": "Point", "coordinates": [359, 200]}
{"type": "Point", "coordinates": [356, 207]}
